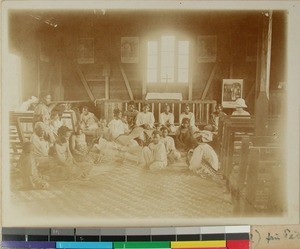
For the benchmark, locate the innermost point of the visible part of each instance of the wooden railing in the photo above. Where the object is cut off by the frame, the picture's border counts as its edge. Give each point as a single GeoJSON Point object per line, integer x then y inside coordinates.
{"type": "Point", "coordinates": [201, 108]}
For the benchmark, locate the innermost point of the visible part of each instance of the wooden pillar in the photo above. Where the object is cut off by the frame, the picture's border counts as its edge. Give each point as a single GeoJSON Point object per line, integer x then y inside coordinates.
{"type": "Point", "coordinates": [106, 73]}
{"type": "Point", "coordinates": [262, 100]}
{"type": "Point", "coordinates": [38, 70]}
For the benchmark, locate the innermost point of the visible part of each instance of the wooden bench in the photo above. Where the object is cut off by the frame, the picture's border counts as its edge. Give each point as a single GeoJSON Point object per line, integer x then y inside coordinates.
{"type": "Point", "coordinates": [265, 185]}
{"type": "Point", "coordinates": [231, 130]}
{"type": "Point", "coordinates": [238, 180]}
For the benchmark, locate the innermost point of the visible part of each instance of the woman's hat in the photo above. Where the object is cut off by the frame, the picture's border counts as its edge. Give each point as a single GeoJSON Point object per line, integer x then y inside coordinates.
{"type": "Point", "coordinates": [240, 103]}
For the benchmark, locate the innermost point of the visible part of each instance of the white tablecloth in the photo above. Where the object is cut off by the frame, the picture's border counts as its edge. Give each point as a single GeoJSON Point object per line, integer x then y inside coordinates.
{"type": "Point", "coordinates": [165, 96]}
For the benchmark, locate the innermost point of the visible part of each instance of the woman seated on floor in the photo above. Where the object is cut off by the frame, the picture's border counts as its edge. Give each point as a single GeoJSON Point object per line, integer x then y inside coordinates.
{"type": "Point", "coordinates": [184, 139]}
{"type": "Point", "coordinates": [63, 156]}
{"type": "Point", "coordinates": [203, 160]}
{"type": "Point", "coordinates": [154, 156]}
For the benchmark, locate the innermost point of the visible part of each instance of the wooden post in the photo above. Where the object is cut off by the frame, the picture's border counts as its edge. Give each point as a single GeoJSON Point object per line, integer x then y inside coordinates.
{"type": "Point", "coordinates": [38, 71]}
{"type": "Point", "coordinates": [106, 73]}
{"type": "Point", "coordinates": [262, 101]}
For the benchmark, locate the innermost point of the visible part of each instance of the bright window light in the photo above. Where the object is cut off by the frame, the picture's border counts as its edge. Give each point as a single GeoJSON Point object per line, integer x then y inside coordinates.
{"type": "Point", "coordinates": [167, 60]}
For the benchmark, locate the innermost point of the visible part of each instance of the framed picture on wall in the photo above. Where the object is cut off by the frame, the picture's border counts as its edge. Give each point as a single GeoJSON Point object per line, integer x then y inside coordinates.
{"type": "Point", "coordinates": [207, 48]}
{"type": "Point", "coordinates": [85, 51]}
{"type": "Point", "coordinates": [129, 49]}
{"type": "Point", "coordinates": [232, 89]}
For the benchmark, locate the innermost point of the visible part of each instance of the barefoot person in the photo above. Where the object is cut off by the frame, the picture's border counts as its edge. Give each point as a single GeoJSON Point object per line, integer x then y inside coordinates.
{"type": "Point", "coordinates": [64, 158]}
{"type": "Point", "coordinates": [154, 156]}
{"type": "Point", "coordinates": [172, 153]}
{"type": "Point", "coordinates": [203, 160]}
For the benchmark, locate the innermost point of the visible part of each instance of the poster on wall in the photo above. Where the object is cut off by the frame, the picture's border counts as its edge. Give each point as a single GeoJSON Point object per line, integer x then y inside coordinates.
{"type": "Point", "coordinates": [207, 48]}
{"type": "Point", "coordinates": [85, 51]}
{"type": "Point", "coordinates": [232, 89]}
{"type": "Point", "coordinates": [129, 49]}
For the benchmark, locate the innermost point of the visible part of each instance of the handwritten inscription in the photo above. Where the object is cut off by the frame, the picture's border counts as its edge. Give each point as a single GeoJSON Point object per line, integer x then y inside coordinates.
{"type": "Point", "coordinates": [288, 234]}
{"type": "Point", "coordinates": [259, 237]}
{"type": "Point", "coordinates": [271, 237]}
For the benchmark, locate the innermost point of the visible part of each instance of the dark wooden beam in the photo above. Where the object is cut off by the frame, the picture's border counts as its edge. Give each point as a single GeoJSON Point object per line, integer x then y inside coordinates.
{"type": "Point", "coordinates": [208, 83]}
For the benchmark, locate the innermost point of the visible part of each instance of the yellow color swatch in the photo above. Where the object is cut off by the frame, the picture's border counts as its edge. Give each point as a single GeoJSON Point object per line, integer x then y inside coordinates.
{"type": "Point", "coordinates": [197, 244]}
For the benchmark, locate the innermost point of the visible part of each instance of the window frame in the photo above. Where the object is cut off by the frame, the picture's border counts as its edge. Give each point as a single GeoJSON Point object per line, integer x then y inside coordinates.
{"type": "Point", "coordinates": [158, 38]}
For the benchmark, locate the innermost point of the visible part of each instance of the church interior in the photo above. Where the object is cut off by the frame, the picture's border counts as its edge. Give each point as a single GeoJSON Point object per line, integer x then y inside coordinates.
{"type": "Point", "coordinates": [103, 61]}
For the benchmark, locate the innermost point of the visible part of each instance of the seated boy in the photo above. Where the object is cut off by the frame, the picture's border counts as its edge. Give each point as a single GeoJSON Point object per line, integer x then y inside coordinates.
{"type": "Point", "coordinates": [154, 155]}
{"type": "Point", "coordinates": [166, 119]}
{"type": "Point", "coordinates": [214, 118]}
{"type": "Point", "coordinates": [145, 119]}
{"type": "Point", "coordinates": [172, 153]}
{"type": "Point", "coordinates": [131, 114]}
{"type": "Point", "coordinates": [117, 126]}
{"type": "Point", "coordinates": [190, 116]}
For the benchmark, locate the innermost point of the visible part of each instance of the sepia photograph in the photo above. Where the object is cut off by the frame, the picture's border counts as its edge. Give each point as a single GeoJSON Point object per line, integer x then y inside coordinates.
{"type": "Point", "coordinates": [109, 119]}
{"type": "Point", "coordinates": [232, 89]}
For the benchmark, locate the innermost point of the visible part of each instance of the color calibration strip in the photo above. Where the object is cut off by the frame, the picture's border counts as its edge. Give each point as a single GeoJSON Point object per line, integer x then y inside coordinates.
{"type": "Point", "coordinates": [217, 237]}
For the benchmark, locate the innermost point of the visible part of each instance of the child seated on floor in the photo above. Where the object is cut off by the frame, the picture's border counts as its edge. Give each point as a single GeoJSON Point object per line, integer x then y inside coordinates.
{"type": "Point", "coordinates": [31, 178]}
{"type": "Point", "coordinates": [172, 153]}
{"type": "Point", "coordinates": [117, 126]}
{"type": "Point", "coordinates": [154, 156]}
{"type": "Point", "coordinates": [203, 160]}
{"type": "Point", "coordinates": [184, 139]}
{"type": "Point", "coordinates": [63, 156]}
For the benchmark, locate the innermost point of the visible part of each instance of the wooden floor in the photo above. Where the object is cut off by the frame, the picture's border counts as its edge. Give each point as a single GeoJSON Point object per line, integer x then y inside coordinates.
{"type": "Point", "coordinates": [125, 190]}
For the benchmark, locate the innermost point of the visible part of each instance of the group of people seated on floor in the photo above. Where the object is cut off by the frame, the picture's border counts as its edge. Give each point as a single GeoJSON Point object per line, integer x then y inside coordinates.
{"type": "Point", "coordinates": [56, 150]}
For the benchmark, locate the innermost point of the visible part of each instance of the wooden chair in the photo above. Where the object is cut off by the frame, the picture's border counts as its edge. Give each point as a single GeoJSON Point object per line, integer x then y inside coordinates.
{"type": "Point", "coordinates": [25, 128]}
{"type": "Point", "coordinates": [67, 117]}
